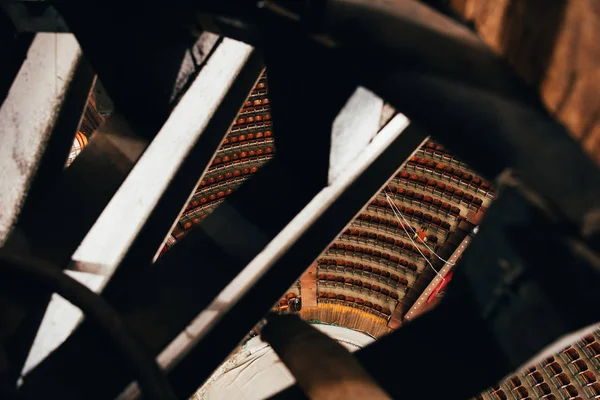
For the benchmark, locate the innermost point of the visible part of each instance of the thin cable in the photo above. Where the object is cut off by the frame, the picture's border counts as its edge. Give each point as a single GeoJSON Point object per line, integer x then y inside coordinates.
{"type": "Point", "coordinates": [424, 244]}
{"type": "Point", "coordinates": [410, 238]}
{"type": "Point", "coordinates": [152, 381]}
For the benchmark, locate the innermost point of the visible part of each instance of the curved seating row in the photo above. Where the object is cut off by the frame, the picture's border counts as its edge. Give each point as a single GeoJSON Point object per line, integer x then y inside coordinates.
{"type": "Point", "coordinates": [241, 124]}
{"type": "Point", "coordinates": [438, 152]}
{"type": "Point", "coordinates": [358, 251]}
{"type": "Point", "coordinates": [424, 218]}
{"type": "Point", "coordinates": [249, 137]}
{"type": "Point", "coordinates": [358, 283]}
{"type": "Point", "coordinates": [423, 201]}
{"type": "Point", "coordinates": [429, 202]}
{"type": "Point", "coordinates": [253, 105]}
{"type": "Point", "coordinates": [392, 223]}
{"type": "Point", "coordinates": [398, 244]}
{"type": "Point", "coordinates": [242, 155]}
{"type": "Point", "coordinates": [227, 177]}
{"type": "Point", "coordinates": [449, 171]}
{"type": "Point", "coordinates": [356, 300]}
{"type": "Point", "coordinates": [441, 188]}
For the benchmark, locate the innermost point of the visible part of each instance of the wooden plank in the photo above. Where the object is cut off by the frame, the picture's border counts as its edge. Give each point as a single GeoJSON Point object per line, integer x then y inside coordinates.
{"type": "Point", "coordinates": [552, 44]}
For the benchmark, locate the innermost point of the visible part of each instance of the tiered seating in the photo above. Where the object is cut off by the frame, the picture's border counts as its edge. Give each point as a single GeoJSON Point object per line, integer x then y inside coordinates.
{"type": "Point", "coordinates": [441, 189]}
{"type": "Point", "coordinates": [390, 225]}
{"type": "Point", "coordinates": [226, 160]}
{"type": "Point", "coordinates": [570, 374]}
{"type": "Point", "coordinates": [436, 152]}
{"type": "Point", "coordinates": [354, 301]}
{"type": "Point", "coordinates": [358, 254]}
{"type": "Point", "coordinates": [387, 243]}
{"type": "Point", "coordinates": [234, 140]}
{"type": "Point", "coordinates": [436, 224]}
{"type": "Point", "coordinates": [359, 283]}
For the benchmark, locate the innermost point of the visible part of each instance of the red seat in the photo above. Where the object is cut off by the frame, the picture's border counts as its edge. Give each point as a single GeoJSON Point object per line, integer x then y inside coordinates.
{"type": "Point", "coordinates": [331, 295]}
{"type": "Point", "coordinates": [366, 285]}
{"type": "Point", "coordinates": [321, 277]}
{"type": "Point", "coordinates": [455, 211]}
{"type": "Point", "coordinates": [340, 297]}
{"type": "Point", "coordinates": [376, 288]}
{"type": "Point", "coordinates": [322, 295]}
{"type": "Point", "coordinates": [376, 271]}
{"type": "Point", "coordinates": [403, 280]}
{"type": "Point", "coordinates": [368, 304]}
{"type": "Point", "coordinates": [386, 311]}
{"type": "Point", "coordinates": [385, 291]}
{"type": "Point", "coordinates": [394, 295]}
{"type": "Point", "coordinates": [358, 282]}
{"type": "Point", "coordinates": [360, 301]}
{"type": "Point", "coordinates": [349, 281]}
{"type": "Point", "coordinates": [350, 299]}
{"type": "Point", "coordinates": [477, 201]}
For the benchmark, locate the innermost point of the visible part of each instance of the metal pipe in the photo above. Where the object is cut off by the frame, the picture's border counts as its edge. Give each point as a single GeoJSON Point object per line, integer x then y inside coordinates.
{"type": "Point", "coordinates": [148, 374]}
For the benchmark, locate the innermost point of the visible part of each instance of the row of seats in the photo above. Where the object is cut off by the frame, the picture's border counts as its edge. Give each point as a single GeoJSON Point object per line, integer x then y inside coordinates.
{"type": "Point", "coordinates": [442, 188]}
{"type": "Point", "coordinates": [366, 268]}
{"type": "Point", "coordinates": [374, 219]}
{"type": "Point", "coordinates": [245, 138]}
{"type": "Point", "coordinates": [249, 106]}
{"type": "Point", "coordinates": [251, 119]}
{"type": "Point", "coordinates": [421, 217]}
{"type": "Point", "coordinates": [434, 150]}
{"type": "Point", "coordinates": [449, 171]}
{"type": "Point", "coordinates": [358, 250]}
{"type": "Point", "coordinates": [266, 123]}
{"type": "Point", "coordinates": [357, 301]}
{"type": "Point", "coordinates": [228, 175]}
{"type": "Point", "coordinates": [358, 283]}
{"type": "Point", "coordinates": [427, 201]}
{"type": "Point", "coordinates": [242, 155]}
{"type": "Point", "coordinates": [407, 246]}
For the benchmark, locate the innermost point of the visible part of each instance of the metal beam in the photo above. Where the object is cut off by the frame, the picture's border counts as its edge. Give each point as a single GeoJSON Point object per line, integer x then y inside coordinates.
{"type": "Point", "coordinates": [71, 205]}
{"type": "Point", "coordinates": [134, 224]}
{"type": "Point", "coordinates": [162, 302]}
{"type": "Point", "coordinates": [129, 232]}
{"type": "Point", "coordinates": [242, 303]}
{"type": "Point", "coordinates": [30, 112]}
